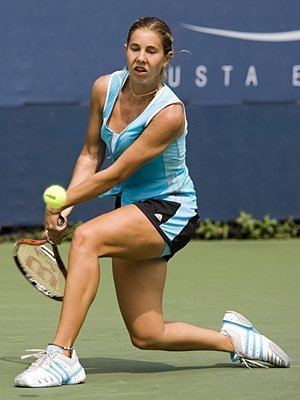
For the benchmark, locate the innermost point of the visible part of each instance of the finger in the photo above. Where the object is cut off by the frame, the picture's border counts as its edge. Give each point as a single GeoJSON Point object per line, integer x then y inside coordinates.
{"type": "Point", "coordinates": [57, 224]}
{"type": "Point", "coordinates": [59, 229]}
{"type": "Point", "coordinates": [44, 235]}
{"type": "Point", "coordinates": [56, 236]}
{"type": "Point", "coordinates": [48, 237]}
{"type": "Point", "coordinates": [54, 240]}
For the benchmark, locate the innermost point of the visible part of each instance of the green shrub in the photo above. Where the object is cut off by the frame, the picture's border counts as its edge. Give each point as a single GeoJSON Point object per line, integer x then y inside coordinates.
{"type": "Point", "coordinates": [288, 229]}
{"type": "Point", "coordinates": [247, 227]}
{"type": "Point", "coordinates": [243, 227]}
{"type": "Point", "coordinates": [209, 230]}
{"type": "Point", "coordinates": [35, 233]}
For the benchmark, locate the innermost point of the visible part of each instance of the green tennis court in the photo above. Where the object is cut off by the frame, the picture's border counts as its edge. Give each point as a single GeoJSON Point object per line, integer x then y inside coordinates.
{"type": "Point", "coordinates": [257, 278]}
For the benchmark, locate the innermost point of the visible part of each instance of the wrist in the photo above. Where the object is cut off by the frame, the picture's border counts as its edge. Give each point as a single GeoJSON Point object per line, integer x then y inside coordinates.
{"type": "Point", "coordinates": [54, 211]}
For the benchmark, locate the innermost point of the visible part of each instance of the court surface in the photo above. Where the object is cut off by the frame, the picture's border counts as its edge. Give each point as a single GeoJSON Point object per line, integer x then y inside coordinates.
{"type": "Point", "coordinates": [260, 279]}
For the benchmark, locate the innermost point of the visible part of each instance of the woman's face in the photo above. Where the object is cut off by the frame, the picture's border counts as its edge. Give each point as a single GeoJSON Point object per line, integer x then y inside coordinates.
{"type": "Point", "coordinates": [145, 56]}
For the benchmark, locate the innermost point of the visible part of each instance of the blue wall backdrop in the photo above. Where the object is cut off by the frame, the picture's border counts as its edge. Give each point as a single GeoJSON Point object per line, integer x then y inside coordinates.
{"type": "Point", "coordinates": [237, 67]}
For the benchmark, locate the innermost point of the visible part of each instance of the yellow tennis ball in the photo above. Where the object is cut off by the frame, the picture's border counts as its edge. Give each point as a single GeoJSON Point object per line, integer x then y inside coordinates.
{"type": "Point", "coordinates": [55, 196]}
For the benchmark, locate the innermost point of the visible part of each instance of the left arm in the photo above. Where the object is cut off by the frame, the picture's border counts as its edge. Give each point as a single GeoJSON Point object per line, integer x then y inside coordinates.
{"type": "Point", "coordinates": [155, 139]}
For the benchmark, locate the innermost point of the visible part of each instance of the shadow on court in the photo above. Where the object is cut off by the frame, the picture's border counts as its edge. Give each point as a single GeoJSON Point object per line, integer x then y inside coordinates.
{"type": "Point", "coordinates": [115, 365]}
{"type": "Point", "coordinates": [105, 365]}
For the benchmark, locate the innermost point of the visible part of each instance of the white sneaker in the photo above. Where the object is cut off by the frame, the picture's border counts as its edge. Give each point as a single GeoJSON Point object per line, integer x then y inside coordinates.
{"type": "Point", "coordinates": [250, 345]}
{"type": "Point", "coordinates": [52, 368]}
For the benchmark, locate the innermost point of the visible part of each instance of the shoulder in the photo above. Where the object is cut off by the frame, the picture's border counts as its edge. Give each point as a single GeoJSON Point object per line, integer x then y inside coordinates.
{"type": "Point", "coordinates": [172, 116]}
{"type": "Point", "coordinates": [99, 89]}
{"type": "Point", "coordinates": [101, 83]}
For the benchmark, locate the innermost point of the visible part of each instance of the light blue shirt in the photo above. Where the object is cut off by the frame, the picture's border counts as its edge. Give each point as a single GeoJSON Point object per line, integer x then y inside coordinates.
{"type": "Point", "coordinates": [166, 177]}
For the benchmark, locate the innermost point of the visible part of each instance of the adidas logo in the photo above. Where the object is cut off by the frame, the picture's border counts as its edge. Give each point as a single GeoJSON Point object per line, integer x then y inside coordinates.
{"type": "Point", "coordinates": [158, 216]}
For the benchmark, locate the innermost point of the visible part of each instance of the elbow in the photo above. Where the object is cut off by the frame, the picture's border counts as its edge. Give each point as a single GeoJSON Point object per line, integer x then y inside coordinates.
{"type": "Point", "coordinates": [119, 178]}
{"type": "Point", "coordinates": [106, 180]}
{"type": "Point", "coordinates": [117, 175]}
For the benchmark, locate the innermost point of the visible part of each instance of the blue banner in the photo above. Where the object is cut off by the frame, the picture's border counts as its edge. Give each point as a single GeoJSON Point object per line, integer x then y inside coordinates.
{"type": "Point", "coordinates": [236, 67]}
{"type": "Point", "coordinates": [226, 52]}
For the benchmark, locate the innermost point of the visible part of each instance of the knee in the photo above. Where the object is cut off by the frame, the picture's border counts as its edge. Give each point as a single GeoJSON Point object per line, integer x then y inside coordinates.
{"type": "Point", "coordinates": [146, 341]}
{"type": "Point", "coordinates": [81, 237]}
{"type": "Point", "coordinates": [80, 234]}
{"type": "Point", "coordinates": [87, 240]}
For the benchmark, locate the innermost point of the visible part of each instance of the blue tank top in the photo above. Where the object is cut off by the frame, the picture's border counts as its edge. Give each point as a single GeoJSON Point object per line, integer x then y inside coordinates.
{"type": "Point", "coordinates": [166, 177]}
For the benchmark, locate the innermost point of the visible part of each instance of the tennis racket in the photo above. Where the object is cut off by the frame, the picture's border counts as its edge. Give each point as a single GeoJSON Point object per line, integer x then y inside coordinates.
{"type": "Point", "coordinates": [41, 264]}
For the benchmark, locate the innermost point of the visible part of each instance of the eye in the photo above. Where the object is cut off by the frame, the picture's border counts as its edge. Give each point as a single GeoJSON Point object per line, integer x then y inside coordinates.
{"type": "Point", "coordinates": [151, 51]}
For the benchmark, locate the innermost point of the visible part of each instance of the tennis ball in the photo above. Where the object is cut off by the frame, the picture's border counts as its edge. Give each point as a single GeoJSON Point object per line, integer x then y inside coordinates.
{"type": "Point", "coordinates": [55, 196]}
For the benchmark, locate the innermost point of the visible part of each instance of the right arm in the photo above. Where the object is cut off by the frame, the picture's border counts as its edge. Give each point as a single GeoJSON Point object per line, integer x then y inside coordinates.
{"type": "Point", "coordinates": [92, 154]}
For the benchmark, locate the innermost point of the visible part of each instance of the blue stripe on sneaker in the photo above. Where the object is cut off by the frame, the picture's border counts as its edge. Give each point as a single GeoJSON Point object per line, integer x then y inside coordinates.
{"type": "Point", "coordinates": [53, 373]}
{"type": "Point", "coordinates": [234, 357]}
{"type": "Point", "coordinates": [247, 343]}
{"type": "Point", "coordinates": [63, 372]}
{"type": "Point", "coordinates": [58, 372]}
{"type": "Point", "coordinates": [254, 345]}
{"type": "Point", "coordinates": [250, 328]}
{"type": "Point", "coordinates": [261, 355]}
{"type": "Point", "coordinates": [75, 373]}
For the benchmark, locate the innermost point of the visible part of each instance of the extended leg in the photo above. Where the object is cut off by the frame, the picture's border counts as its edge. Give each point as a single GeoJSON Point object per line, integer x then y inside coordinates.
{"type": "Point", "coordinates": [139, 286]}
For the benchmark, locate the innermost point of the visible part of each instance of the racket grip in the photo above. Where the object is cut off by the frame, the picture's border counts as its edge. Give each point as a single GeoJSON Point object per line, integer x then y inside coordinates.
{"type": "Point", "coordinates": [61, 220]}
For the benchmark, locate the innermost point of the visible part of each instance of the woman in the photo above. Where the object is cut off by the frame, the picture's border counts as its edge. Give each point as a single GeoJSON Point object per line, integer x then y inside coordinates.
{"type": "Point", "coordinates": [143, 124]}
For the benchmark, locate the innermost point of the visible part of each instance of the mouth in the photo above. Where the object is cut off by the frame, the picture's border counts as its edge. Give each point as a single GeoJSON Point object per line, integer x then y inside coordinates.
{"type": "Point", "coordinates": [140, 70]}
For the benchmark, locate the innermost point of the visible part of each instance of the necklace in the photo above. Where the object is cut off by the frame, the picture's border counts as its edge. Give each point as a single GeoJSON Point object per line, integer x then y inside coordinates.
{"type": "Point", "coordinates": [141, 95]}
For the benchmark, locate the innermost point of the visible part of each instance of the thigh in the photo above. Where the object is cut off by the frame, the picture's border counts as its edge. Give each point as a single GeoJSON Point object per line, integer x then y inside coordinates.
{"type": "Point", "coordinates": [139, 287]}
{"type": "Point", "coordinates": [125, 233]}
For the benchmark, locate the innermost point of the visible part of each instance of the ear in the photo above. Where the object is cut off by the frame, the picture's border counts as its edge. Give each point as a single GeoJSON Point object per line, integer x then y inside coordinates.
{"type": "Point", "coordinates": [125, 47]}
{"type": "Point", "coordinates": [168, 57]}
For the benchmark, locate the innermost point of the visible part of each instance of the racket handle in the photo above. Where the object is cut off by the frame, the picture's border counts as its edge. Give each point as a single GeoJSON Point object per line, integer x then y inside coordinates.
{"type": "Point", "coordinates": [61, 221]}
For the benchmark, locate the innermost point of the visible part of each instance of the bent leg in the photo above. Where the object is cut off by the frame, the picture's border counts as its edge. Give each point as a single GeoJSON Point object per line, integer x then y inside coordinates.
{"type": "Point", "coordinates": [125, 232]}
{"type": "Point", "coordinates": [81, 288]}
{"type": "Point", "coordinates": [139, 286]}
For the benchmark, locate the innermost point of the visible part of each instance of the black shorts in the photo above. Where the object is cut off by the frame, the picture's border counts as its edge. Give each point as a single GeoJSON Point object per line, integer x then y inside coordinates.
{"type": "Point", "coordinates": [175, 222]}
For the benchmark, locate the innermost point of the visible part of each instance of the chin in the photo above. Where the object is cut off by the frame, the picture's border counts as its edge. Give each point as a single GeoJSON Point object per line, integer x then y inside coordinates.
{"type": "Point", "coordinates": [137, 78]}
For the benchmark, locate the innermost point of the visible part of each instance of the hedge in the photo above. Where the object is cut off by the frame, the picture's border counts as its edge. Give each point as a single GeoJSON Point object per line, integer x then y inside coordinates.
{"type": "Point", "coordinates": [243, 227]}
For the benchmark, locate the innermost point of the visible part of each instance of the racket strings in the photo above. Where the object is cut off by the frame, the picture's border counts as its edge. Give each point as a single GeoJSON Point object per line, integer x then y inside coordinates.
{"type": "Point", "coordinates": [39, 263]}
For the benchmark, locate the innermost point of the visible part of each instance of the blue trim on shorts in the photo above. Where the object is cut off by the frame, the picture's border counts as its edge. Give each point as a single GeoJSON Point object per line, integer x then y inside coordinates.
{"type": "Point", "coordinates": [167, 251]}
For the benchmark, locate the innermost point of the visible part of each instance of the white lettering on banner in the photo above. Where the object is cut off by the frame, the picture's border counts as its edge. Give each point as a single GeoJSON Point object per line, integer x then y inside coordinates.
{"type": "Point", "coordinates": [201, 78]}
{"type": "Point", "coordinates": [174, 76]}
{"type": "Point", "coordinates": [296, 75]}
{"type": "Point", "coordinates": [251, 77]}
{"type": "Point", "coordinates": [227, 69]}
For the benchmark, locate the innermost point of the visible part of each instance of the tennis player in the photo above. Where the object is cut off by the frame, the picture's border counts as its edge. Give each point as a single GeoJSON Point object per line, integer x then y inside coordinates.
{"type": "Point", "coordinates": [143, 125]}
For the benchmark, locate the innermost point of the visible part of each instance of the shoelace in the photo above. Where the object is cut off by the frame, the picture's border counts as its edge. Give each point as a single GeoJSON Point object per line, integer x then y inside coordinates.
{"type": "Point", "coordinates": [251, 363]}
{"type": "Point", "coordinates": [42, 356]}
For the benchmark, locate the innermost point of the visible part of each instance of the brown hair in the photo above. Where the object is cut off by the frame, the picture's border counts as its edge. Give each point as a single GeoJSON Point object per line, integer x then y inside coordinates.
{"type": "Point", "coordinates": [157, 25]}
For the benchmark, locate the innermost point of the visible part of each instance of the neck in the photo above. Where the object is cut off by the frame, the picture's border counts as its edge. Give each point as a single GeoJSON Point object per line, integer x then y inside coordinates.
{"type": "Point", "coordinates": [142, 90]}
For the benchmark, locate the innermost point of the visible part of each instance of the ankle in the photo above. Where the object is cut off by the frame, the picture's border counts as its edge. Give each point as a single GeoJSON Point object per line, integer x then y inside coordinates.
{"type": "Point", "coordinates": [68, 353]}
{"type": "Point", "coordinates": [229, 345]}
{"type": "Point", "coordinates": [67, 350]}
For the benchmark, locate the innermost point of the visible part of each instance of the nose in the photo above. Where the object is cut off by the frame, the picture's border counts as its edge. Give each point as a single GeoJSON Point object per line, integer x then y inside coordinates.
{"type": "Point", "coordinates": [141, 57]}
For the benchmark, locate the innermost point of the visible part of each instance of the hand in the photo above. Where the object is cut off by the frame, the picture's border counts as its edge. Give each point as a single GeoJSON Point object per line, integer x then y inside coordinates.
{"type": "Point", "coordinates": [55, 230]}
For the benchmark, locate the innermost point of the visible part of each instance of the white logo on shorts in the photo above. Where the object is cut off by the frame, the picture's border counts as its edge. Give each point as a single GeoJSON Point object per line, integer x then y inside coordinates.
{"type": "Point", "coordinates": [158, 216]}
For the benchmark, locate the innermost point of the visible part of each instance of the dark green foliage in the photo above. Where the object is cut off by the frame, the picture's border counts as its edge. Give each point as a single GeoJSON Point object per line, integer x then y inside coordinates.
{"type": "Point", "coordinates": [243, 227]}
{"type": "Point", "coordinates": [14, 234]}
{"type": "Point", "coordinates": [247, 227]}
{"type": "Point", "coordinates": [209, 230]}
